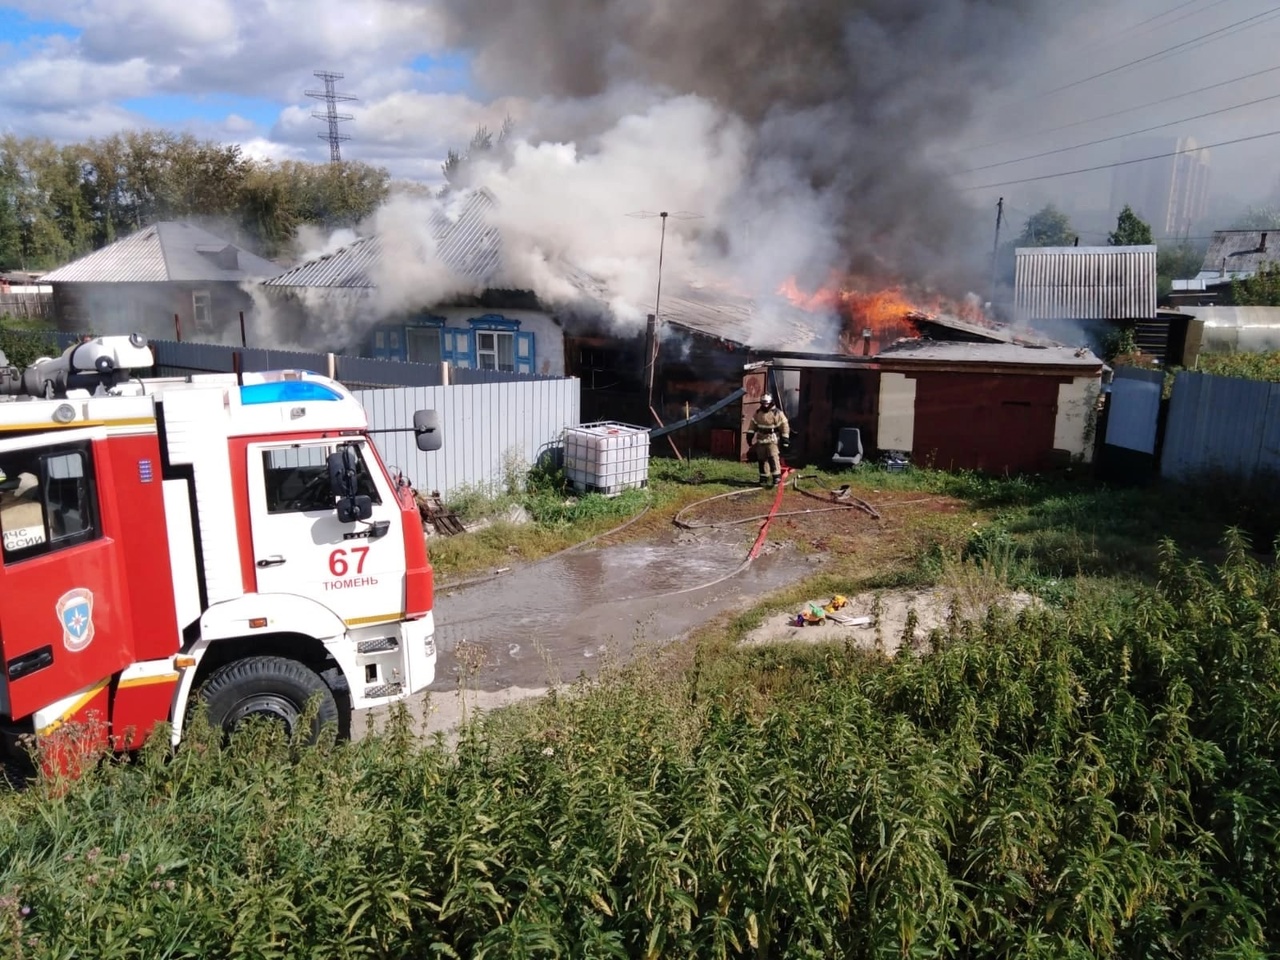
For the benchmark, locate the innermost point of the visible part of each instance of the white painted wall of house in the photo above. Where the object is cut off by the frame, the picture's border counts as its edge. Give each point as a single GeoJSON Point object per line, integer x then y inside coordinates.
{"type": "Point", "coordinates": [548, 337]}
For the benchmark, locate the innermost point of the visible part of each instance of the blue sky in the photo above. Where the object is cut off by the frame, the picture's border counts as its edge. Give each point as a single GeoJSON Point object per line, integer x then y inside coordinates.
{"type": "Point", "coordinates": [237, 71]}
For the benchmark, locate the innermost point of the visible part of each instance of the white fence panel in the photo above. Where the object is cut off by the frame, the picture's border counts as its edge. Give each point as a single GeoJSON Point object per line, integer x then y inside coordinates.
{"type": "Point", "coordinates": [484, 427]}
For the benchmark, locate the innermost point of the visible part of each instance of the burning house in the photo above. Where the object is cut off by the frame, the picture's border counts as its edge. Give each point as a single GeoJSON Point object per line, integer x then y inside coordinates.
{"type": "Point", "coordinates": [341, 297]}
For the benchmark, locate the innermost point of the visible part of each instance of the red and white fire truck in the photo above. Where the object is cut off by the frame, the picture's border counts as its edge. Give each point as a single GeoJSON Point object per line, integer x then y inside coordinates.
{"type": "Point", "coordinates": [232, 540]}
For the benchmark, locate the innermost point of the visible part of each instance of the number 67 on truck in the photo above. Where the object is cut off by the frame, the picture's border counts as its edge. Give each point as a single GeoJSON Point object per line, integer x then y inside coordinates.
{"type": "Point", "coordinates": [227, 540]}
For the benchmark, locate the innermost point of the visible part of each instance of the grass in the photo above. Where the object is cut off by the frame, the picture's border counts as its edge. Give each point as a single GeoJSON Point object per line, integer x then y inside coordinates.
{"type": "Point", "coordinates": [1095, 777]}
{"type": "Point", "coordinates": [1095, 781]}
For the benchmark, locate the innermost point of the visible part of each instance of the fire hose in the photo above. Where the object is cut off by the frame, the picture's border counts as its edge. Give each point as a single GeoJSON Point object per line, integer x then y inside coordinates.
{"type": "Point", "coordinates": [679, 520]}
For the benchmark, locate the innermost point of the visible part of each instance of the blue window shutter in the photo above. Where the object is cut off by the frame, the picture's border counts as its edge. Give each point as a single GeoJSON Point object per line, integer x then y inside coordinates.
{"type": "Point", "coordinates": [458, 348]}
{"type": "Point", "coordinates": [379, 350]}
{"type": "Point", "coordinates": [469, 338]}
{"type": "Point", "coordinates": [524, 353]}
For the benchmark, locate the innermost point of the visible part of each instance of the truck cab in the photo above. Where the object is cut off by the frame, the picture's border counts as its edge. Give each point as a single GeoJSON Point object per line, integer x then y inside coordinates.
{"type": "Point", "coordinates": [227, 542]}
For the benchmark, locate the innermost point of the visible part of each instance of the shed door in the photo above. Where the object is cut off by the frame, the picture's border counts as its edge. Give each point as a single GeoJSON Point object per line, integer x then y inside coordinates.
{"type": "Point", "coordinates": [995, 424]}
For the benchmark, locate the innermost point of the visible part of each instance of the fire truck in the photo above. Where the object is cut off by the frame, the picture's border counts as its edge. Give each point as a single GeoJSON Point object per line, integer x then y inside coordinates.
{"type": "Point", "coordinates": [227, 540]}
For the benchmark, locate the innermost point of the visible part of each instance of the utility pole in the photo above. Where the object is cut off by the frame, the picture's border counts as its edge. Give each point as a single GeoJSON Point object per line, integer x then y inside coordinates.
{"type": "Point", "coordinates": [330, 96]}
{"type": "Point", "coordinates": [995, 247]}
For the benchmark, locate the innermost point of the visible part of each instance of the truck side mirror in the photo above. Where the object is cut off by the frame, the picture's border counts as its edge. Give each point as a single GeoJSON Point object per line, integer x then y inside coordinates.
{"type": "Point", "coordinates": [351, 509]}
{"type": "Point", "coordinates": [426, 430]}
{"type": "Point", "coordinates": [343, 466]}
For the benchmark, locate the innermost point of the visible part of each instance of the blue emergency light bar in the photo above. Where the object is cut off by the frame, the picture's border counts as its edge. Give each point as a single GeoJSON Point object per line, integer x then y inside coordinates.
{"type": "Point", "coordinates": [286, 391]}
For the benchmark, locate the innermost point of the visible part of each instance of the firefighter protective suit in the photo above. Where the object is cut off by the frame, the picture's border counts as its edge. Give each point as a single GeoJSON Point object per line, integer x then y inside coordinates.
{"type": "Point", "coordinates": [769, 430]}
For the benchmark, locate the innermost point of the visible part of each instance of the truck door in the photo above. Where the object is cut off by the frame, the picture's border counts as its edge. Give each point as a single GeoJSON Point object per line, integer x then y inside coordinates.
{"type": "Point", "coordinates": [299, 546]}
{"type": "Point", "coordinates": [64, 617]}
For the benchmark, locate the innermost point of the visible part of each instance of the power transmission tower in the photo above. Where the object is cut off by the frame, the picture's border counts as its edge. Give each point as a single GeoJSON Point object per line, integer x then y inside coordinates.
{"type": "Point", "coordinates": [331, 97]}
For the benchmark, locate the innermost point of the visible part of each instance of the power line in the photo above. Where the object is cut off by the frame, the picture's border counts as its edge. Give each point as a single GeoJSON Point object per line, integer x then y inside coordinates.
{"type": "Point", "coordinates": [1114, 113]}
{"type": "Point", "coordinates": [1123, 163]}
{"type": "Point", "coordinates": [1209, 37]}
{"type": "Point", "coordinates": [1123, 36]}
{"type": "Point", "coordinates": [1193, 13]}
{"type": "Point", "coordinates": [1122, 136]}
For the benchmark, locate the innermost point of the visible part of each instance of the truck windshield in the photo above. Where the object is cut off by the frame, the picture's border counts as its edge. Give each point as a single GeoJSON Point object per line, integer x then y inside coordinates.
{"type": "Point", "coordinates": [297, 478]}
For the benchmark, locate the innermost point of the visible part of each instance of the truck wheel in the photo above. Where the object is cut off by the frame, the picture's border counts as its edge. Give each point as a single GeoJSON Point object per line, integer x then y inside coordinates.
{"type": "Point", "coordinates": [273, 688]}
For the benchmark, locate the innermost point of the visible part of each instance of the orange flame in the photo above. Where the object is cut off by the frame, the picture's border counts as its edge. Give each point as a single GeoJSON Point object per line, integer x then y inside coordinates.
{"type": "Point", "coordinates": [888, 312]}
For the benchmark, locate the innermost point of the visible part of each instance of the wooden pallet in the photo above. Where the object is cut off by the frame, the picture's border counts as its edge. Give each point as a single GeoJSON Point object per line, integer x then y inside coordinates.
{"type": "Point", "coordinates": [441, 519]}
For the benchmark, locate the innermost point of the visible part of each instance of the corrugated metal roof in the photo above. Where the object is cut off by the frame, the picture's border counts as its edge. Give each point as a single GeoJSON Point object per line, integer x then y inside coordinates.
{"type": "Point", "coordinates": [164, 252]}
{"type": "Point", "coordinates": [466, 242]}
{"type": "Point", "coordinates": [773, 325]}
{"type": "Point", "coordinates": [1085, 283]}
{"type": "Point", "coordinates": [1239, 253]}
{"type": "Point", "coordinates": [932, 351]}
{"type": "Point", "coordinates": [346, 267]}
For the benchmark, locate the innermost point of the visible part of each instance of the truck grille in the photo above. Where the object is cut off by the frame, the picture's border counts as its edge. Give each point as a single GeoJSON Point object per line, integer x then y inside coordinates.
{"type": "Point", "coordinates": [379, 645]}
{"type": "Point", "coordinates": [383, 690]}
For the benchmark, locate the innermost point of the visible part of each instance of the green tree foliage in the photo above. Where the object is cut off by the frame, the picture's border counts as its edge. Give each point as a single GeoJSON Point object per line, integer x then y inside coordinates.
{"type": "Point", "coordinates": [457, 166]}
{"type": "Point", "coordinates": [60, 202]}
{"type": "Point", "coordinates": [1130, 230]}
{"type": "Point", "coordinates": [1265, 217]}
{"type": "Point", "coordinates": [1177, 261]}
{"type": "Point", "coordinates": [1048, 227]}
{"type": "Point", "coordinates": [1260, 290]}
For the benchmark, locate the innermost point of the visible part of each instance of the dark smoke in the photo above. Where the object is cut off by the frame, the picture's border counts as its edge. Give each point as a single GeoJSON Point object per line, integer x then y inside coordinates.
{"type": "Point", "coordinates": [845, 98]}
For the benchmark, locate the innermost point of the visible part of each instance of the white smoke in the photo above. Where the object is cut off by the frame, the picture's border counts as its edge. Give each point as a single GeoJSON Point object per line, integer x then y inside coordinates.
{"type": "Point", "coordinates": [563, 203]}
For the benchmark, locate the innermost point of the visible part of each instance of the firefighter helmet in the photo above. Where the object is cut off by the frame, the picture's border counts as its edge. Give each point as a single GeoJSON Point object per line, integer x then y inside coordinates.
{"type": "Point", "coordinates": [766, 400]}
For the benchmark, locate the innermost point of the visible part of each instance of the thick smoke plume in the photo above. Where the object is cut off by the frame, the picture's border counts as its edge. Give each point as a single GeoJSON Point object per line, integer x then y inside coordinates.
{"type": "Point", "coordinates": [828, 108]}
{"type": "Point", "coordinates": [799, 133]}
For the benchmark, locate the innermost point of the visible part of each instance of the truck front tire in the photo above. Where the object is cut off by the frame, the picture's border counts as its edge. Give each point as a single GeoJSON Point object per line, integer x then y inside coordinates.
{"type": "Point", "coordinates": [273, 688]}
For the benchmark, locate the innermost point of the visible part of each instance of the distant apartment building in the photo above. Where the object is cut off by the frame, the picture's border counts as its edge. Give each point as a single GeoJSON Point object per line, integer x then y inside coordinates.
{"type": "Point", "coordinates": [1170, 193]}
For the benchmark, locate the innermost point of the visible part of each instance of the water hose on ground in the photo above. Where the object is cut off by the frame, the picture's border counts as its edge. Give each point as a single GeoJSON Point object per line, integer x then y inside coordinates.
{"type": "Point", "coordinates": [767, 518]}
{"type": "Point", "coordinates": [474, 581]}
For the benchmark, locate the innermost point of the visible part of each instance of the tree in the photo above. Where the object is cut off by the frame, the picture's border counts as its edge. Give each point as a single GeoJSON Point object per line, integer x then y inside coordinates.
{"type": "Point", "coordinates": [1180, 261]}
{"type": "Point", "coordinates": [1260, 290]}
{"type": "Point", "coordinates": [457, 166]}
{"type": "Point", "coordinates": [1130, 230]}
{"type": "Point", "coordinates": [1258, 218]}
{"type": "Point", "coordinates": [1048, 227]}
{"type": "Point", "coordinates": [60, 202]}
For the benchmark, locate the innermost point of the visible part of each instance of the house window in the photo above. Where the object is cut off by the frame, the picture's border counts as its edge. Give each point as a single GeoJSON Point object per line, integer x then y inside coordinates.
{"type": "Point", "coordinates": [423, 344]}
{"type": "Point", "coordinates": [202, 309]}
{"type": "Point", "coordinates": [500, 344]}
{"type": "Point", "coordinates": [496, 350]}
{"type": "Point", "coordinates": [47, 501]}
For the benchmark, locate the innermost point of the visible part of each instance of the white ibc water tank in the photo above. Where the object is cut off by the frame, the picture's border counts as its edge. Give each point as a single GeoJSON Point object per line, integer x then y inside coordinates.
{"type": "Point", "coordinates": [606, 457]}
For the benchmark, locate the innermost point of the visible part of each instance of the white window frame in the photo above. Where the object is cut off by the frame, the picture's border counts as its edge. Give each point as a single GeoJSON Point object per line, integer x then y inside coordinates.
{"type": "Point", "coordinates": [492, 354]}
{"type": "Point", "coordinates": [202, 300]}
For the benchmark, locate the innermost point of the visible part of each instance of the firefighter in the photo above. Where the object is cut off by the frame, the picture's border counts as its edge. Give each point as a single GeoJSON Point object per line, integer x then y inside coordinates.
{"type": "Point", "coordinates": [769, 431]}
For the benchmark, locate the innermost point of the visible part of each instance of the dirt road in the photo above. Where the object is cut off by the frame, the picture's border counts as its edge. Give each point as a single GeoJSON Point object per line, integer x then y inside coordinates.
{"type": "Point", "coordinates": [551, 622]}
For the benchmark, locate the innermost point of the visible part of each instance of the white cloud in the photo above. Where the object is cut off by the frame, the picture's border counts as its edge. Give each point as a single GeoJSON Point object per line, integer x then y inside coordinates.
{"type": "Point", "coordinates": [59, 81]}
{"type": "Point", "coordinates": [71, 87]}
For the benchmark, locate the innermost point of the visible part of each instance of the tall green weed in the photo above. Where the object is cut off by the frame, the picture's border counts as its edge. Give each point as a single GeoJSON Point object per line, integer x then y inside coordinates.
{"type": "Point", "coordinates": [1099, 780]}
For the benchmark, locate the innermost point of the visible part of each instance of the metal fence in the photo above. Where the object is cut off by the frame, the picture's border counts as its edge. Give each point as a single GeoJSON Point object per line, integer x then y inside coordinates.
{"type": "Point", "coordinates": [178, 358]}
{"type": "Point", "coordinates": [1221, 425]}
{"type": "Point", "coordinates": [487, 429]}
